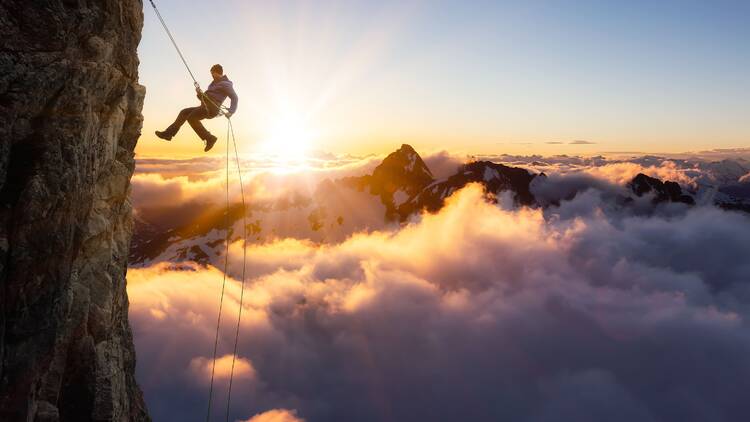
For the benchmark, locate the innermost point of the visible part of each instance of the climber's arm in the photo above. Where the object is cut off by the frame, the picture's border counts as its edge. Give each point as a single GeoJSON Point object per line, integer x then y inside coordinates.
{"type": "Point", "coordinates": [233, 99]}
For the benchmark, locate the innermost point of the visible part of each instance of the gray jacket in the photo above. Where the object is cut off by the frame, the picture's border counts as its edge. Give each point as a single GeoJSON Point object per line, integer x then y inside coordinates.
{"type": "Point", "coordinates": [218, 91]}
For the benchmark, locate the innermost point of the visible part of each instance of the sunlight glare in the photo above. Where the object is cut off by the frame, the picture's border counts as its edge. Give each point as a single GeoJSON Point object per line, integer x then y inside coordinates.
{"type": "Point", "coordinates": [288, 138]}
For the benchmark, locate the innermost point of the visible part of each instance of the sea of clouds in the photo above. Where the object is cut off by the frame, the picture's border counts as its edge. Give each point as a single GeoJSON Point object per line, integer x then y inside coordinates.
{"type": "Point", "coordinates": [483, 312]}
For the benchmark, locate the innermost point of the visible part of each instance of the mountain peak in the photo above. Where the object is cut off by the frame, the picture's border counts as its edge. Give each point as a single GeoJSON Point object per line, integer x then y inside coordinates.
{"type": "Point", "coordinates": [664, 191]}
{"type": "Point", "coordinates": [406, 148]}
{"type": "Point", "coordinates": [401, 169]}
{"type": "Point", "coordinates": [399, 177]}
{"type": "Point", "coordinates": [407, 158]}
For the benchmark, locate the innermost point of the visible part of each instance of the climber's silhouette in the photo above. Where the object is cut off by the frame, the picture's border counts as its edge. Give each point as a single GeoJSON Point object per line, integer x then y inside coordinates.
{"type": "Point", "coordinates": [211, 100]}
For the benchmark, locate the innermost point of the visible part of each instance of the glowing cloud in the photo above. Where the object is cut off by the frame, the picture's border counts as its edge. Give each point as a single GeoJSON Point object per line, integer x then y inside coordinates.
{"type": "Point", "coordinates": [276, 415]}
{"type": "Point", "coordinates": [201, 368]}
{"type": "Point", "coordinates": [622, 173]}
{"type": "Point", "coordinates": [530, 311]}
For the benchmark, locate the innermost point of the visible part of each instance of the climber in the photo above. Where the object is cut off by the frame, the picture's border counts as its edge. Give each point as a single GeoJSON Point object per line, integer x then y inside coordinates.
{"type": "Point", "coordinates": [211, 100]}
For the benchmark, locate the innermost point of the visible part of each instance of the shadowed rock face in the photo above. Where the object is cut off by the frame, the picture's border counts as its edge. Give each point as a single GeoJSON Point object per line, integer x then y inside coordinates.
{"type": "Point", "coordinates": [494, 177]}
{"type": "Point", "coordinates": [663, 191]}
{"type": "Point", "coordinates": [401, 173]}
{"type": "Point", "coordinates": [70, 116]}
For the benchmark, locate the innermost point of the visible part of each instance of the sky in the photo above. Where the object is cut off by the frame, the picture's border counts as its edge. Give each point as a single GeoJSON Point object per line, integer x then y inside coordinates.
{"type": "Point", "coordinates": [481, 77]}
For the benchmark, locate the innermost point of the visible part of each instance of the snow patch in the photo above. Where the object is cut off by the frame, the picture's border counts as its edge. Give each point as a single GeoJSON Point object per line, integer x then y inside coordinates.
{"type": "Point", "coordinates": [490, 174]}
{"type": "Point", "coordinates": [399, 197]}
{"type": "Point", "coordinates": [412, 162]}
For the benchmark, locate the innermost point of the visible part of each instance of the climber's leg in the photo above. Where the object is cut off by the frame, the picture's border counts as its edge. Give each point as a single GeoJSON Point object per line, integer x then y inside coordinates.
{"type": "Point", "coordinates": [179, 121]}
{"type": "Point", "coordinates": [195, 122]}
{"type": "Point", "coordinates": [195, 117]}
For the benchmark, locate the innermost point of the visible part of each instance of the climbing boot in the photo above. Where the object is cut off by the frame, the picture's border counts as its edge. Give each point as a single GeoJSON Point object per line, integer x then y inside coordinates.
{"type": "Point", "coordinates": [210, 141]}
{"type": "Point", "coordinates": [163, 135]}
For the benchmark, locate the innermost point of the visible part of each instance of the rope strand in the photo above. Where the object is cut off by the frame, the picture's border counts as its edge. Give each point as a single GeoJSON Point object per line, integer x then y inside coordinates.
{"type": "Point", "coordinates": [174, 43]}
{"type": "Point", "coordinates": [244, 260]}
{"type": "Point", "coordinates": [230, 131]}
{"type": "Point", "coordinates": [223, 284]}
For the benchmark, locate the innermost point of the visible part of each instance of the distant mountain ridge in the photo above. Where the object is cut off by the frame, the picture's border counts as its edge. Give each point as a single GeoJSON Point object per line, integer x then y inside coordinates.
{"type": "Point", "coordinates": [494, 177]}
{"type": "Point", "coordinates": [401, 186]}
{"type": "Point", "coordinates": [662, 191]}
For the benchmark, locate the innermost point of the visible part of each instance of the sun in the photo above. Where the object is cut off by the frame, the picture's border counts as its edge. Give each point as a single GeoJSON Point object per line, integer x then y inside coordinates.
{"type": "Point", "coordinates": [288, 137]}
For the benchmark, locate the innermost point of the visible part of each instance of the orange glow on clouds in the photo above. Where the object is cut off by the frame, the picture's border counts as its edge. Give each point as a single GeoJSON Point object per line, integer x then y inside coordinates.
{"type": "Point", "coordinates": [622, 173]}
{"type": "Point", "coordinates": [473, 272]}
{"type": "Point", "coordinates": [276, 415]}
{"type": "Point", "coordinates": [201, 367]}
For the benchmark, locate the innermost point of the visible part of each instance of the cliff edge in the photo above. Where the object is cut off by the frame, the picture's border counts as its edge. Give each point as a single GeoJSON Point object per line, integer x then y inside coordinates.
{"type": "Point", "coordinates": [70, 116]}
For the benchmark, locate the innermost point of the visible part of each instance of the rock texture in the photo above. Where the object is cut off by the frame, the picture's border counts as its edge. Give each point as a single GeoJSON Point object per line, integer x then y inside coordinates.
{"type": "Point", "coordinates": [666, 191]}
{"type": "Point", "coordinates": [402, 172]}
{"type": "Point", "coordinates": [495, 178]}
{"type": "Point", "coordinates": [70, 116]}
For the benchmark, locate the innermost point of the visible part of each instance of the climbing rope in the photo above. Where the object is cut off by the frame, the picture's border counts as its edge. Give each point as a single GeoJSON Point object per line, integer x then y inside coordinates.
{"type": "Point", "coordinates": [230, 132]}
{"type": "Point", "coordinates": [244, 260]}
{"type": "Point", "coordinates": [223, 283]}
{"type": "Point", "coordinates": [222, 110]}
{"type": "Point", "coordinates": [174, 43]}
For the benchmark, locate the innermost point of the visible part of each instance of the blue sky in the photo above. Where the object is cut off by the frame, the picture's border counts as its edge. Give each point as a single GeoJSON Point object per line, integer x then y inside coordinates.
{"type": "Point", "coordinates": [480, 77]}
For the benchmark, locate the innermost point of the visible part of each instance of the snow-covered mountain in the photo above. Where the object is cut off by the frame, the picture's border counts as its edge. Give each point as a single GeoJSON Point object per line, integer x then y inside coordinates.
{"type": "Point", "coordinates": [401, 186]}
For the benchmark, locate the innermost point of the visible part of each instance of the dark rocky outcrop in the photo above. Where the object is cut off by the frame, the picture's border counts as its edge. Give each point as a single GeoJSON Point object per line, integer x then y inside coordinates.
{"type": "Point", "coordinates": [495, 178]}
{"type": "Point", "coordinates": [401, 169]}
{"type": "Point", "coordinates": [662, 191]}
{"type": "Point", "coordinates": [70, 116]}
{"type": "Point", "coordinates": [402, 173]}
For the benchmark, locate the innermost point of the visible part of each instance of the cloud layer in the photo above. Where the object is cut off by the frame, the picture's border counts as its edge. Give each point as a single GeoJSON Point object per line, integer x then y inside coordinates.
{"type": "Point", "coordinates": [479, 312]}
{"type": "Point", "coordinates": [158, 182]}
{"type": "Point", "coordinates": [276, 415]}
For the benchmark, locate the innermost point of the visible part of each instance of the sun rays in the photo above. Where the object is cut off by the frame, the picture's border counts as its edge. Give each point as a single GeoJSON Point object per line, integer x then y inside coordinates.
{"type": "Point", "coordinates": [288, 138]}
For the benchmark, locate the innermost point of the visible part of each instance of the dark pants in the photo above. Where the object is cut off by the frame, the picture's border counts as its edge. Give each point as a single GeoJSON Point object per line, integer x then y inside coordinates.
{"type": "Point", "coordinates": [193, 115]}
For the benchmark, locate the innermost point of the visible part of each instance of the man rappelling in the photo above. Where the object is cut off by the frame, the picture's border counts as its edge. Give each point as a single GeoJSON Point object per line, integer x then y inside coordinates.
{"type": "Point", "coordinates": [218, 91]}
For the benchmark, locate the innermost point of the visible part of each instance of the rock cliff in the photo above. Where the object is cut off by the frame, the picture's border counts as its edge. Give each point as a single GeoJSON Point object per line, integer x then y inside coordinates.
{"type": "Point", "coordinates": [70, 116]}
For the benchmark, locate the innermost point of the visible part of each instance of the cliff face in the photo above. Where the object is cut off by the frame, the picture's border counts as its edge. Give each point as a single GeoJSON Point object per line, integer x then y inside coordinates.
{"type": "Point", "coordinates": [70, 116]}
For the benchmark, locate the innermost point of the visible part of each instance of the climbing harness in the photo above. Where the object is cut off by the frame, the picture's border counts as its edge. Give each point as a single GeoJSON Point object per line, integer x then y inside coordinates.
{"type": "Point", "coordinates": [230, 134]}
